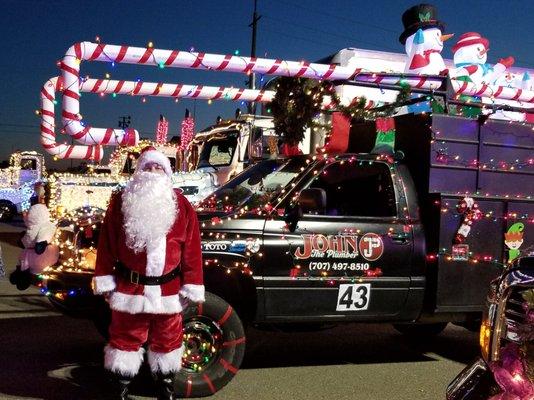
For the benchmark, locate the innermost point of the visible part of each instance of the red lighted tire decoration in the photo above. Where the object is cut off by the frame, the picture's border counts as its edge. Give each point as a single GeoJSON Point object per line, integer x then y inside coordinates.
{"type": "Point", "coordinates": [214, 340]}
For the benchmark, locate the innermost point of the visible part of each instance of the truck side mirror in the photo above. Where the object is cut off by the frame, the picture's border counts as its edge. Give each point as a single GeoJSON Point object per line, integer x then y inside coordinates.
{"type": "Point", "coordinates": [312, 201]}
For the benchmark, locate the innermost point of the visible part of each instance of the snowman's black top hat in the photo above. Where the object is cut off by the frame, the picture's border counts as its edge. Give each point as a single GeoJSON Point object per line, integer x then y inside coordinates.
{"type": "Point", "coordinates": [421, 16]}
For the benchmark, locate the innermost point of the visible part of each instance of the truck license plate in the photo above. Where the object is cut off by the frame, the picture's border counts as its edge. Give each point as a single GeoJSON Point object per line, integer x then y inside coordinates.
{"type": "Point", "coordinates": [353, 297]}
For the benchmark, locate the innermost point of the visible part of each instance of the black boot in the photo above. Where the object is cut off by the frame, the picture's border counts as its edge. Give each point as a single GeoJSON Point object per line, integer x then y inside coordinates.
{"type": "Point", "coordinates": [21, 279]}
{"type": "Point", "coordinates": [119, 387]}
{"type": "Point", "coordinates": [165, 386]}
{"type": "Point", "coordinates": [14, 276]}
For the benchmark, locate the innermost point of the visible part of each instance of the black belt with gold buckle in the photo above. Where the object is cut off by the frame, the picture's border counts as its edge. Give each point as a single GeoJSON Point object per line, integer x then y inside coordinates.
{"type": "Point", "coordinates": [138, 279]}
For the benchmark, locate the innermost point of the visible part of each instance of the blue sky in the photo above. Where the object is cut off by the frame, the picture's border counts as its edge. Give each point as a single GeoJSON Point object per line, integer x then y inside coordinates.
{"type": "Point", "coordinates": [37, 33]}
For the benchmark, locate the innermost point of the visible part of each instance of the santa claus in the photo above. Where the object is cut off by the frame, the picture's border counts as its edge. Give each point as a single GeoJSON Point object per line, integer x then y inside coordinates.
{"type": "Point", "coordinates": [149, 265]}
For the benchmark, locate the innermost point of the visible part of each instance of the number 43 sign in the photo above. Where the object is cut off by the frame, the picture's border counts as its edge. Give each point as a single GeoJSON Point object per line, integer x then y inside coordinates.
{"type": "Point", "coordinates": [353, 297]}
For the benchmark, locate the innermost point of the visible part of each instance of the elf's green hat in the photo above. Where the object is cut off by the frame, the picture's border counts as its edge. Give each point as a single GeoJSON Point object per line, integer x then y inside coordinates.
{"type": "Point", "coordinates": [516, 228]}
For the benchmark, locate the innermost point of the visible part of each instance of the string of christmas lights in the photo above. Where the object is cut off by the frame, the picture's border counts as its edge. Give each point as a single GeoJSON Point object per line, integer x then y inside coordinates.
{"type": "Point", "coordinates": [490, 215]}
{"type": "Point", "coordinates": [443, 157]}
{"type": "Point", "coordinates": [187, 131]}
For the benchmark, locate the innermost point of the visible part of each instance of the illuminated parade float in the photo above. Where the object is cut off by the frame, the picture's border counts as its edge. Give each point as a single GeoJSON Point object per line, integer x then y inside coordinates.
{"type": "Point", "coordinates": [393, 187]}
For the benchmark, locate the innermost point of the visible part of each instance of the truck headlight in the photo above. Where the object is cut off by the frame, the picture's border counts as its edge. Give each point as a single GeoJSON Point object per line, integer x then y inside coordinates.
{"type": "Point", "coordinates": [485, 336]}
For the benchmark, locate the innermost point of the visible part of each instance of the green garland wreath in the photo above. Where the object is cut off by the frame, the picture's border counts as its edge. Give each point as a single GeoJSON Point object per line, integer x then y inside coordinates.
{"type": "Point", "coordinates": [298, 102]}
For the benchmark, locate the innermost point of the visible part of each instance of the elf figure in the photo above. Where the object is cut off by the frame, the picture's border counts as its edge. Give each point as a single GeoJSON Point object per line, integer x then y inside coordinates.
{"type": "Point", "coordinates": [514, 239]}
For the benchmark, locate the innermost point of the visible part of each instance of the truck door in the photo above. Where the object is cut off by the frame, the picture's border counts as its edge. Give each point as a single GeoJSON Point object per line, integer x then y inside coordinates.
{"type": "Point", "coordinates": [350, 260]}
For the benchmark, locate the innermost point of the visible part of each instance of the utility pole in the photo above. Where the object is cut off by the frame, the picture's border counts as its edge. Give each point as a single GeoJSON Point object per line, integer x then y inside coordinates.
{"type": "Point", "coordinates": [252, 78]}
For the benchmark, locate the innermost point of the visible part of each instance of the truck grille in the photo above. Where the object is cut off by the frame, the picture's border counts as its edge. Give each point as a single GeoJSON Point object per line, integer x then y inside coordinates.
{"type": "Point", "coordinates": [514, 314]}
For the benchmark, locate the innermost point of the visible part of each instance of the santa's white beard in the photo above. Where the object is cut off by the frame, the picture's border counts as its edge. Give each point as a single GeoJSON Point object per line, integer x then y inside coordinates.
{"type": "Point", "coordinates": [149, 209]}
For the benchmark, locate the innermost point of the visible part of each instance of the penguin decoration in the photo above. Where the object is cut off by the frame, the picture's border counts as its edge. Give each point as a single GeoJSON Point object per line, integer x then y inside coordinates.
{"type": "Point", "coordinates": [423, 40]}
{"type": "Point", "coordinates": [470, 56]}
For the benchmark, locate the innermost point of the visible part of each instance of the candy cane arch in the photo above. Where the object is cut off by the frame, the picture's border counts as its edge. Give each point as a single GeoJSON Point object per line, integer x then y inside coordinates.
{"type": "Point", "coordinates": [138, 88]}
{"type": "Point", "coordinates": [48, 136]}
{"type": "Point", "coordinates": [70, 69]}
{"type": "Point", "coordinates": [70, 66]}
{"type": "Point", "coordinates": [230, 63]}
{"type": "Point", "coordinates": [177, 90]}
{"type": "Point", "coordinates": [135, 88]}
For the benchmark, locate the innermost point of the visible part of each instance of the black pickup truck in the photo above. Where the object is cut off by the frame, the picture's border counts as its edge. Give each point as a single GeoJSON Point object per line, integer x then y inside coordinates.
{"type": "Point", "coordinates": [412, 239]}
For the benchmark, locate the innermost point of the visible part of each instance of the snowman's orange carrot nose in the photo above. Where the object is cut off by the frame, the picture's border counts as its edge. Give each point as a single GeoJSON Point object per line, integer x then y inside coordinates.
{"type": "Point", "coordinates": [483, 51]}
{"type": "Point", "coordinates": [446, 37]}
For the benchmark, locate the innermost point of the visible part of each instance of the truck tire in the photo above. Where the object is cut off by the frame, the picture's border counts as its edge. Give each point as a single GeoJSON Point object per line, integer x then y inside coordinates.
{"type": "Point", "coordinates": [7, 210]}
{"type": "Point", "coordinates": [421, 330]}
{"type": "Point", "coordinates": [214, 340]}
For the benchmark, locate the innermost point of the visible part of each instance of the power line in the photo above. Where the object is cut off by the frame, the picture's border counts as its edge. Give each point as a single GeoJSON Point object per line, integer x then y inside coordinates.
{"type": "Point", "coordinates": [21, 125]}
{"type": "Point", "coordinates": [314, 29]}
{"type": "Point", "coordinates": [525, 64]}
{"type": "Point", "coordinates": [298, 37]}
{"type": "Point", "coordinates": [2, 131]}
{"type": "Point", "coordinates": [324, 13]}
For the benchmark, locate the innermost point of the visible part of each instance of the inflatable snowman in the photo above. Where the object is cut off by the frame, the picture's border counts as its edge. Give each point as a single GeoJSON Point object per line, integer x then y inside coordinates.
{"type": "Point", "coordinates": [470, 56]}
{"type": "Point", "coordinates": [423, 40]}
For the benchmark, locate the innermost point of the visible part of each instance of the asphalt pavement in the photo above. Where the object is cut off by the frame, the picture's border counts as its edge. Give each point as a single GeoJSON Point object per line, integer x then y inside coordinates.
{"type": "Point", "coordinates": [46, 355]}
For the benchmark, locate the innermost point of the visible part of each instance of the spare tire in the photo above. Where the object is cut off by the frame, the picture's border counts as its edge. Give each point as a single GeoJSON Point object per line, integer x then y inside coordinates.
{"type": "Point", "coordinates": [214, 341]}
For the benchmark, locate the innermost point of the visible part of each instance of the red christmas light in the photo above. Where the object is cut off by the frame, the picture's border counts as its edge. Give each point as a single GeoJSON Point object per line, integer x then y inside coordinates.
{"type": "Point", "coordinates": [162, 129]}
{"type": "Point", "coordinates": [187, 131]}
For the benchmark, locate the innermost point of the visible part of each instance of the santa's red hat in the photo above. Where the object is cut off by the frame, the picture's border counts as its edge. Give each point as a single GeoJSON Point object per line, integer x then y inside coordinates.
{"type": "Point", "coordinates": [149, 154]}
{"type": "Point", "coordinates": [469, 38]}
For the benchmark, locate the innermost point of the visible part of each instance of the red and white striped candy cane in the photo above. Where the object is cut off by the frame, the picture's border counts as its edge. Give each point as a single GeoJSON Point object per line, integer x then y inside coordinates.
{"type": "Point", "coordinates": [48, 136]}
{"type": "Point", "coordinates": [429, 82]}
{"type": "Point", "coordinates": [219, 62]}
{"type": "Point", "coordinates": [497, 92]}
{"type": "Point", "coordinates": [70, 69]}
{"type": "Point", "coordinates": [139, 88]}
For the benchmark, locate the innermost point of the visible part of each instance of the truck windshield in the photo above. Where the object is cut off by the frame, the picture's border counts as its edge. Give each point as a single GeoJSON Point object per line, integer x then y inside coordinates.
{"type": "Point", "coordinates": [218, 152]}
{"type": "Point", "coordinates": [256, 186]}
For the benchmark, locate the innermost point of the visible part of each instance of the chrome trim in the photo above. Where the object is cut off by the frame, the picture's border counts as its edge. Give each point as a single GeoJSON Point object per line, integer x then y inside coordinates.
{"type": "Point", "coordinates": [496, 336]}
{"type": "Point", "coordinates": [462, 385]}
{"type": "Point", "coordinates": [498, 332]}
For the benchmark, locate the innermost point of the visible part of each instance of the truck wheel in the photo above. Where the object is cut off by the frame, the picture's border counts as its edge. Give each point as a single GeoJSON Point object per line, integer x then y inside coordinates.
{"type": "Point", "coordinates": [420, 330]}
{"type": "Point", "coordinates": [214, 340]}
{"type": "Point", "coordinates": [7, 210]}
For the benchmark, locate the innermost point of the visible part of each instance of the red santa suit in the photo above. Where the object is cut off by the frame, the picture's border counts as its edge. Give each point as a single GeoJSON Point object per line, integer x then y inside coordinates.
{"type": "Point", "coordinates": [148, 312]}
